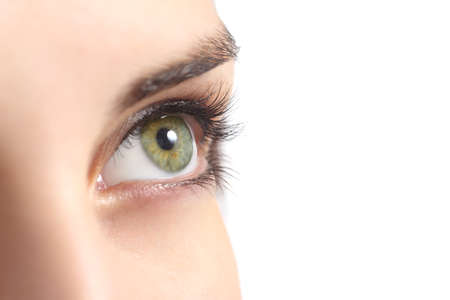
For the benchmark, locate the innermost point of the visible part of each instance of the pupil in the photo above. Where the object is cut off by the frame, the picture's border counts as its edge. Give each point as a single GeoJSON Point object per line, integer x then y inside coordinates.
{"type": "Point", "coordinates": [166, 138]}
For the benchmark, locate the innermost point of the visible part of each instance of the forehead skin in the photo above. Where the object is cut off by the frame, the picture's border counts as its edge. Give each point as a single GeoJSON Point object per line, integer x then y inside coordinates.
{"type": "Point", "coordinates": [77, 54]}
{"type": "Point", "coordinates": [62, 65]}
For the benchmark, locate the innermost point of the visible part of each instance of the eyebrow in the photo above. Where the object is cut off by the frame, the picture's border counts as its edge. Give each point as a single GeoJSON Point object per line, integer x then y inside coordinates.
{"type": "Point", "coordinates": [209, 53]}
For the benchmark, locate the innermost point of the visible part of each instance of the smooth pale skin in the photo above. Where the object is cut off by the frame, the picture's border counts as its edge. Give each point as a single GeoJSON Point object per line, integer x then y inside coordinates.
{"type": "Point", "coordinates": [63, 64]}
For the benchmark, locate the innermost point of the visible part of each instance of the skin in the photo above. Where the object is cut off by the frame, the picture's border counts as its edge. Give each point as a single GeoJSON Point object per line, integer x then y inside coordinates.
{"type": "Point", "coordinates": [63, 63]}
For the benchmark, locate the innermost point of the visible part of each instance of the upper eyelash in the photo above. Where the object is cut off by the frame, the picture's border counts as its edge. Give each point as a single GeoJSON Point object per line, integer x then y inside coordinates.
{"type": "Point", "coordinates": [212, 116]}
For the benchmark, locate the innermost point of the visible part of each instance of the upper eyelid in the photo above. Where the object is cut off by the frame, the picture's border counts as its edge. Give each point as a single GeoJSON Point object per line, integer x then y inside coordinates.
{"type": "Point", "coordinates": [173, 106]}
{"type": "Point", "coordinates": [214, 95]}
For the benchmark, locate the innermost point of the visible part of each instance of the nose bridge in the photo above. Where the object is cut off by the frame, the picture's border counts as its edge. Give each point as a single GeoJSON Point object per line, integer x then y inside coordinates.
{"type": "Point", "coordinates": [49, 247]}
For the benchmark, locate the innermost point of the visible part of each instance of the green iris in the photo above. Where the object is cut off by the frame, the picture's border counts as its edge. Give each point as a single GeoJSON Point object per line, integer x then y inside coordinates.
{"type": "Point", "coordinates": [168, 143]}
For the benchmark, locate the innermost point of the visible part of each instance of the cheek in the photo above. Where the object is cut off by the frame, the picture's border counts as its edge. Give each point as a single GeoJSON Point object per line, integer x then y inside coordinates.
{"type": "Point", "coordinates": [172, 249]}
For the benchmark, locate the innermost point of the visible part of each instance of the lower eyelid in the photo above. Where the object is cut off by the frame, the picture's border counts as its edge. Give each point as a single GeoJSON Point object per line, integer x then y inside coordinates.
{"type": "Point", "coordinates": [136, 194]}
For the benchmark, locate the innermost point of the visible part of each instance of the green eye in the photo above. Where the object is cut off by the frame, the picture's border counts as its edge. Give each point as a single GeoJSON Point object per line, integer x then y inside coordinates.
{"type": "Point", "coordinates": [168, 143]}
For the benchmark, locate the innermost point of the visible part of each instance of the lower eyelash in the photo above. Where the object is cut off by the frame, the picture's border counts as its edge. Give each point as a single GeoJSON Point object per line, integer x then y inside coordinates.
{"type": "Point", "coordinates": [216, 172]}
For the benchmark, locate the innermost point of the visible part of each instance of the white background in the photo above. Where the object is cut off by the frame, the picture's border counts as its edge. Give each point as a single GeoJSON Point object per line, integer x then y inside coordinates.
{"type": "Point", "coordinates": [343, 189]}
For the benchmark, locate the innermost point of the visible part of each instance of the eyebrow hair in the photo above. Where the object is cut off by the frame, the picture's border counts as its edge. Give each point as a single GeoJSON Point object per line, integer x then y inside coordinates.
{"type": "Point", "coordinates": [209, 53]}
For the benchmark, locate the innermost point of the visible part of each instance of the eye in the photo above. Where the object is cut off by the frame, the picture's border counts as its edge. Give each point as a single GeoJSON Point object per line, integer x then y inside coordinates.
{"type": "Point", "coordinates": [160, 148]}
{"type": "Point", "coordinates": [175, 142]}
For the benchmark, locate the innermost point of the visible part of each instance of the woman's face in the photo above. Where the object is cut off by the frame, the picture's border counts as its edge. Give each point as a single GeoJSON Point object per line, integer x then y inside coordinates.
{"type": "Point", "coordinates": [90, 209]}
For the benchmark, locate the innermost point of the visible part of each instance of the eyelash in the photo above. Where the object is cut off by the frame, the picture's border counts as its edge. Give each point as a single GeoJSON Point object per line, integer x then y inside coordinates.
{"type": "Point", "coordinates": [212, 114]}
